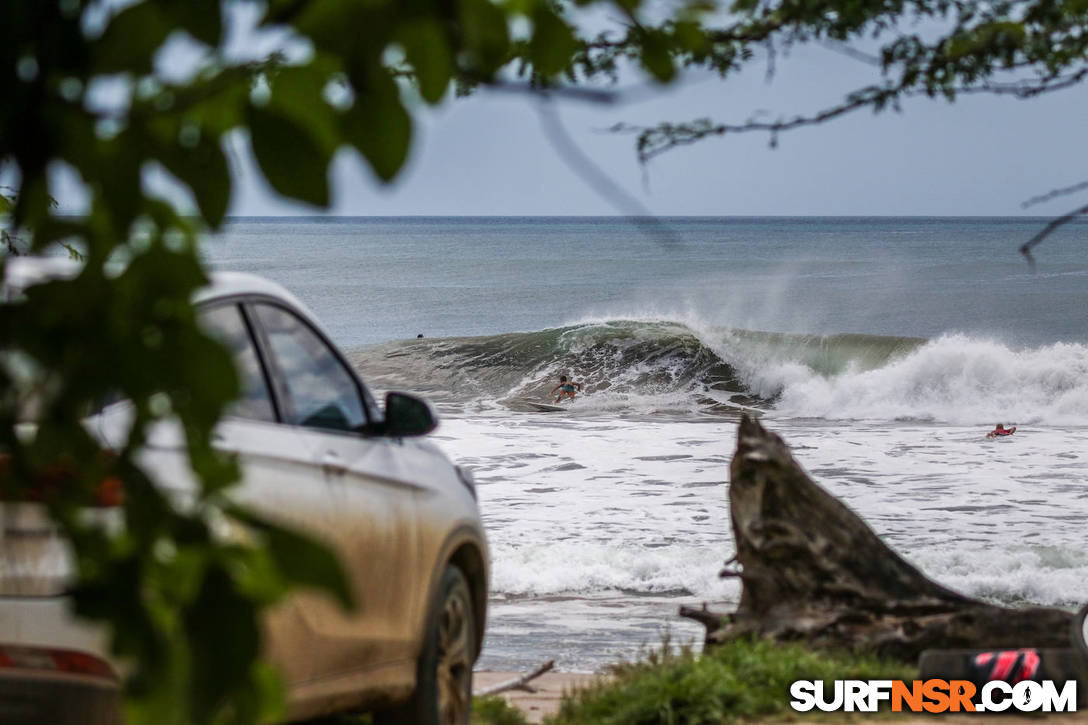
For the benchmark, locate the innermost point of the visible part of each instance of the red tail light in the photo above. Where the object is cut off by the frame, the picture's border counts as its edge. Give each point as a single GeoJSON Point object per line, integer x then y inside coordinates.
{"type": "Point", "coordinates": [54, 660]}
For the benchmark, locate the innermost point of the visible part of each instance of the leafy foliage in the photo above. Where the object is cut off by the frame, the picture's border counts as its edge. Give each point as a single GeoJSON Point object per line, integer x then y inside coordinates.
{"type": "Point", "coordinates": [738, 681]}
{"type": "Point", "coordinates": [91, 88]}
{"type": "Point", "coordinates": [495, 711]}
{"type": "Point", "coordinates": [94, 89]}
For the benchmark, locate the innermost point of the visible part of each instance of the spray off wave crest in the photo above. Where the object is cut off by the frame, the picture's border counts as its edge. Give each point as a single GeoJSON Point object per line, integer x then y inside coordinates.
{"type": "Point", "coordinates": [643, 366]}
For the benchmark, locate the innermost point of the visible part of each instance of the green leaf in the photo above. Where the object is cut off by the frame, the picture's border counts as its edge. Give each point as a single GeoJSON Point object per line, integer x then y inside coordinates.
{"type": "Point", "coordinates": [379, 126]}
{"type": "Point", "coordinates": [486, 35]}
{"type": "Point", "coordinates": [301, 559]}
{"type": "Point", "coordinates": [292, 161]}
{"type": "Point", "coordinates": [131, 39]}
{"type": "Point", "coordinates": [113, 592]}
{"type": "Point", "coordinates": [334, 26]}
{"type": "Point", "coordinates": [690, 36]}
{"type": "Point", "coordinates": [297, 93]}
{"type": "Point", "coordinates": [305, 561]}
{"type": "Point", "coordinates": [203, 167]}
{"type": "Point", "coordinates": [553, 43]}
{"type": "Point", "coordinates": [424, 43]}
{"type": "Point", "coordinates": [201, 18]}
{"type": "Point", "coordinates": [224, 641]}
{"type": "Point", "coordinates": [656, 58]}
{"type": "Point", "coordinates": [120, 162]}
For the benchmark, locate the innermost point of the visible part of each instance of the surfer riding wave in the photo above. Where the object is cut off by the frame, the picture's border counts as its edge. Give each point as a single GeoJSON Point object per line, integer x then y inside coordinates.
{"type": "Point", "coordinates": [566, 388]}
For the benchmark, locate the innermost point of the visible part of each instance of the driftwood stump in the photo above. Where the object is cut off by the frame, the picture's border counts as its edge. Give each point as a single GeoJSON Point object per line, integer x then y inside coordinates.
{"type": "Point", "coordinates": [813, 571]}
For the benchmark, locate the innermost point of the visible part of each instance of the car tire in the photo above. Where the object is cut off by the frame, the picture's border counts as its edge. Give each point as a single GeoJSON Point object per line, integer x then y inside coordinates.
{"type": "Point", "coordinates": [443, 694]}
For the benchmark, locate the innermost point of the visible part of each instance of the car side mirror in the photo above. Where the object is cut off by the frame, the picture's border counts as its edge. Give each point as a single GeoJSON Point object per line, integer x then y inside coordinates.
{"type": "Point", "coordinates": [407, 415]}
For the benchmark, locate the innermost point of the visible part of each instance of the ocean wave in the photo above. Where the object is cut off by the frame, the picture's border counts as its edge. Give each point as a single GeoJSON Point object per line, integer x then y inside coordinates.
{"type": "Point", "coordinates": [666, 366]}
{"type": "Point", "coordinates": [1045, 575]}
{"type": "Point", "coordinates": [953, 379]}
{"type": "Point", "coordinates": [564, 568]}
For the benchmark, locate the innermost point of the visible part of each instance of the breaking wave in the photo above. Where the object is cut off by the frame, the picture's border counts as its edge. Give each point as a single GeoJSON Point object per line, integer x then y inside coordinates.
{"type": "Point", "coordinates": [663, 366]}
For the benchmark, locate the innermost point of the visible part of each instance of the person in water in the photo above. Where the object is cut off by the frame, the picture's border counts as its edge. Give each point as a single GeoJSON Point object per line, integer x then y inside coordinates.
{"type": "Point", "coordinates": [565, 388]}
{"type": "Point", "coordinates": [1001, 430]}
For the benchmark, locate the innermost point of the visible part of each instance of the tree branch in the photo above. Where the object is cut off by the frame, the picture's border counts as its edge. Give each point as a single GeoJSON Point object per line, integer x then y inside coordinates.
{"type": "Point", "coordinates": [577, 161]}
{"type": "Point", "coordinates": [656, 140]}
{"type": "Point", "coordinates": [1049, 229]}
{"type": "Point", "coordinates": [1054, 194]}
{"type": "Point", "coordinates": [518, 683]}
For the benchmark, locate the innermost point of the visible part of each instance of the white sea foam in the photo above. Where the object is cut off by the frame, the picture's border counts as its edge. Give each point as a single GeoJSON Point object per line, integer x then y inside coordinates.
{"type": "Point", "coordinates": [623, 565]}
{"type": "Point", "coordinates": [585, 506]}
{"type": "Point", "coordinates": [953, 379]}
{"type": "Point", "coordinates": [1047, 575]}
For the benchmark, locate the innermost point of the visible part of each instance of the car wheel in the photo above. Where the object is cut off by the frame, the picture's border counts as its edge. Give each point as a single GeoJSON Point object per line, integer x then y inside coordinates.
{"type": "Point", "coordinates": [443, 694]}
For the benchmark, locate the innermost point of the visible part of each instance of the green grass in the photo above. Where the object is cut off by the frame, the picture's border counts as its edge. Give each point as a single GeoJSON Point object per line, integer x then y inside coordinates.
{"type": "Point", "coordinates": [485, 711]}
{"type": "Point", "coordinates": [741, 681]}
{"type": "Point", "coordinates": [494, 711]}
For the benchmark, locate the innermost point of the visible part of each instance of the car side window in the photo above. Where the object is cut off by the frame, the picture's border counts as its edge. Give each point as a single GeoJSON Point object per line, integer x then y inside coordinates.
{"type": "Point", "coordinates": [225, 324]}
{"type": "Point", "coordinates": [322, 392]}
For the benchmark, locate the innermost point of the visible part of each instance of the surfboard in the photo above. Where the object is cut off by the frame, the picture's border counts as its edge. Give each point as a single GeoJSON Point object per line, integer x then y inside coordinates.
{"type": "Point", "coordinates": [544, 407]}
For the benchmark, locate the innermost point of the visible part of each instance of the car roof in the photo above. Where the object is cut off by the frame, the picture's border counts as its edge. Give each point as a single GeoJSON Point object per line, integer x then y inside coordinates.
{"type": "Point", "coordinates": [236, 284]}
{"type": "Point", "coordinates": [22, 272]}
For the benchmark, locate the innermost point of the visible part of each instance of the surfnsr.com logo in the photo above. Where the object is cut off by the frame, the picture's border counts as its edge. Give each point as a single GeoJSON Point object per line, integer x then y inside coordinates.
{"type": "Point", "coordinates": [934, 696]}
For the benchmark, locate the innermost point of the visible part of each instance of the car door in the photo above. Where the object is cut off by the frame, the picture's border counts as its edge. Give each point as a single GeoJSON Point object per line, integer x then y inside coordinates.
{"type": "Point", "coordinates": [373, 518]}
{"type": "Point", "coordinates": [279, 479]}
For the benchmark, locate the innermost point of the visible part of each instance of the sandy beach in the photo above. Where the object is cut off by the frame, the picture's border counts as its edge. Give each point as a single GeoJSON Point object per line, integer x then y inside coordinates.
{"type": "Point", "coordinates": [550, 689]}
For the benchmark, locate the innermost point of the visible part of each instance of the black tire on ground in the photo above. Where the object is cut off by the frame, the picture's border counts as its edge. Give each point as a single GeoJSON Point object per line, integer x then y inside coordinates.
{"type": "Point", "coordinates": [443, 694]}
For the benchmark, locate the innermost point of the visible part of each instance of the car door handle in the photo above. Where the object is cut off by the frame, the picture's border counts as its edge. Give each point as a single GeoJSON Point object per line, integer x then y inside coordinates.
{"type": "Point", "coordinates": [332, 464]}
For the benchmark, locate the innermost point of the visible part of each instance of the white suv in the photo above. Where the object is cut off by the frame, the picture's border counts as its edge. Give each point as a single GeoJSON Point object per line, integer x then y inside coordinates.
{"type": "Point", "coordinates": [317, 454]}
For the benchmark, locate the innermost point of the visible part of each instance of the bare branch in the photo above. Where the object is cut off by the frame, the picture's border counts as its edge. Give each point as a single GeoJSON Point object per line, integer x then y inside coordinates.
{"type": "Point", "coordinates": [851, 52]}
{"type": "Point", "coordinates": [705, 617]}
{"type": "Point", "coordinates": [1049, 229]}
{"type": "Point", "coordinates": [9, 243]}
{"type": "Point", "coordinates": [518, 683]}
{"type": "Point", "coordinates": [656, 140]}
{"type": "Point", "coordinates": [569, 93]}
{"type": "Point", "coordinates": [598, 180]}
{"type": "Point", "coordinates": [1054, 194]}
{"type": "Point", "coordinates": [1028, 88]}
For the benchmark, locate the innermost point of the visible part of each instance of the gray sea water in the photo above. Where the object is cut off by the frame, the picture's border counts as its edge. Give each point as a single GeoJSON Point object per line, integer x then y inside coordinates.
{"type": "Point", "coordinates": [882, 349]}
{"type": "Point", "coordinates": [380, 279]}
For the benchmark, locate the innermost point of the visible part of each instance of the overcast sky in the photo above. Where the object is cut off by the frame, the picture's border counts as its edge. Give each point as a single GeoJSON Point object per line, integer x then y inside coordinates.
{"type": "Point", "coordinates": [488, 154]}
